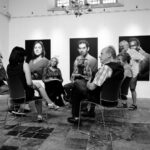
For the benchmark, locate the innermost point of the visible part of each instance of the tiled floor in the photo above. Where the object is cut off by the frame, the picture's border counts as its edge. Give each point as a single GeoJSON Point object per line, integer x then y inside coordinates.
{"type": "Point", "coordinates": [58, 134]}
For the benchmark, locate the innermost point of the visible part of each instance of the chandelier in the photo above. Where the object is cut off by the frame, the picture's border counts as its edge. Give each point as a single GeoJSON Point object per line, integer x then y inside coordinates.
{"type": "Point", "coordinates": [77, 7]}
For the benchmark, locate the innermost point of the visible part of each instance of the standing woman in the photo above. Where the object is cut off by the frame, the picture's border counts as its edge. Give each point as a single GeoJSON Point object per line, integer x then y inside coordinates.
{"type": "Point", "coordinates": [52, 77]}
{"type": "Point", "coordinates": [38, 61]}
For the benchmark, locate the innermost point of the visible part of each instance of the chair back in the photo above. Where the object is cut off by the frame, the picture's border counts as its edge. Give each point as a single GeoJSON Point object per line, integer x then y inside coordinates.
{"type": "Point", "coordinates": [16, 88]}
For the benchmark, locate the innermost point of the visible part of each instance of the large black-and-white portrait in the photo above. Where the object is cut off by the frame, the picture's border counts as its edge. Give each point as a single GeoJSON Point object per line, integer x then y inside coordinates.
{"type": "Point", "coordinates": [29, 47]}
{"type": "Point", "coordinates": [93, 49]}
{"type": "Point", "coordinates": [145, 64]}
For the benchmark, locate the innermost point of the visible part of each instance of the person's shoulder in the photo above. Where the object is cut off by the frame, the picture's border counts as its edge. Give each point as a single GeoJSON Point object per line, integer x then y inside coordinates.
{"type": "Point", "coordinates": [79, 56]}
{"type": "Point", "coordinates": [45, 59]}
{"type": "Point", "coordinates": [89, 56]}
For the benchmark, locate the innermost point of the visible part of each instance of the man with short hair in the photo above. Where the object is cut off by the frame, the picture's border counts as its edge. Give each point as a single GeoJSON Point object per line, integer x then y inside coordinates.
{"type": "Point", "coordinates": [108, 69]}
{"type": "Point", "coordinates": [83, 49]}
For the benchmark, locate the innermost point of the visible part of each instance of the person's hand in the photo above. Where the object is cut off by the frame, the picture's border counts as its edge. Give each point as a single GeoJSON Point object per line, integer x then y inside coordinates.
{"type": "Point", "coordinates": [88, 84]}
{"type": "Point", "coordinates": [35, 75]}
{"type": "Point", "coordinates": [77, 75]}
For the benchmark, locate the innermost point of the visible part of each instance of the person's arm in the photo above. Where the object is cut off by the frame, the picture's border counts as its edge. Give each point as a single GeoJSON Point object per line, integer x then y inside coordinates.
{"type": "Point", "coordinates": [91, 86]}
{"type": "Point", "coordinates": [103, 73]}
{"type": "Point", "coordinates": [88, 74]}
{"type": "Point", "coordinates": [60, 75]}
{"type": "Point", "coordinates": [27, 72]}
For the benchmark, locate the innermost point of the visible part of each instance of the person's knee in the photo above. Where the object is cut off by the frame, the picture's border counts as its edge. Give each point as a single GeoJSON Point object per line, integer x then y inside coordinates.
{"type": "Point", "coordinates": [38, 85]}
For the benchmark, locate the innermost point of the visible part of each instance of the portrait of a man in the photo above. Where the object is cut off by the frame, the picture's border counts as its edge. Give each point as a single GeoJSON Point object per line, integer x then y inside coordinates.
{"type": "Point", "coordinates": [84, 47]}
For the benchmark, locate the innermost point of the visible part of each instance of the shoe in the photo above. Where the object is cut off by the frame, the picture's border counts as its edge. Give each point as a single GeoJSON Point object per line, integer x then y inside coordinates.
{"type": "Point", "coordinates": [133, 107]}
{"type": "Point", "coordinates": [18, 113]}
{"type": "Point", "coordinates": [27, 110]}
{"type": "Point", "coordinates": [39, 118]}
{"type": "Point", "coordinates": [88, 114]}
{"type": "Point", "coordinates": [124, 97]}
{"type": "Point", "coordinates": [74, 120]}
{"type": "Point", "coordinates": [53, 106]}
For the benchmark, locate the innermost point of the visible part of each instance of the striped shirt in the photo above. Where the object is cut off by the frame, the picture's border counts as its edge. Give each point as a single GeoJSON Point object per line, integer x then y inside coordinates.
{"type": "Point", "coordinates": [103, 73]}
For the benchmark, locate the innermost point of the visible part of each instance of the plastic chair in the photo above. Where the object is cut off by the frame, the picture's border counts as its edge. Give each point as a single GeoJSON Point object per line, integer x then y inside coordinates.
{"type": "Point", "coordinates": [108, 100]}
{"type": "Point", "coordinates": [18, 97]}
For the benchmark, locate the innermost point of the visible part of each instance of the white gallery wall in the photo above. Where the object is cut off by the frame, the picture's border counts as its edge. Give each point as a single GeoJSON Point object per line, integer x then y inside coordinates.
{"type": "Point", "coordinates": [28, 21]}
{"type": "Point", "coordinates": [4, 38]}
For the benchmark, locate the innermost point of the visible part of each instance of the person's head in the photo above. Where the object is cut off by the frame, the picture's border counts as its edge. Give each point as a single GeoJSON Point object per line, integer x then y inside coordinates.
{"type": "Point", "coordinates": [108, 54]}
{"type": "Point", "coordinates": [83, 47]}
{"type": "Point", "coordinates": [38, 49]}
{"type": "Point", "coordinates": [54, 62]}
{"type": "Point", "coordinates": [134, 43]}
{"type": "Point", "coordinates": [124, 58]}
{"type": "Point", "coordinates": [17, 56]}
{"type": "Point", "coordinates": [123, 46]}
{"type": "Point", "coordinates": [80, 61]}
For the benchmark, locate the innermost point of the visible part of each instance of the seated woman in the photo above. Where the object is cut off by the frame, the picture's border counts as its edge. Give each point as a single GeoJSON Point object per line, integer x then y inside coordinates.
{"type": "Point", "coordinates": [124, 59]}
{"type": "Point", "coordinates": [3, 77]}
{"type": "Point", "coordinates": [52, 78]}
{"type": "Point", "coordinates": [18, 67]}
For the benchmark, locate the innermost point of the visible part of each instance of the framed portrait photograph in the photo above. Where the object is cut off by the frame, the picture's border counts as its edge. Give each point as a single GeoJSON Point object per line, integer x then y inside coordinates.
{"type": "Point", "coordinates": [29, 47]}
{"type": "Point", "coordinates": [143, 43]}
{"type": "Point", "coordinates": [74, 49]}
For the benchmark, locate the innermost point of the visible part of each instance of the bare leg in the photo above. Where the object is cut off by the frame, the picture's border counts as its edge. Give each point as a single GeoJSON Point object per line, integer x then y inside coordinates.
{"type": "Point", "coordinates": [38, 105]}
{"type": "Point", "coordinates": [134, 97]}
{"type": "Point", "coordinates": [41, 90]}
{"type": "Point", "coordinates": [44, 95]}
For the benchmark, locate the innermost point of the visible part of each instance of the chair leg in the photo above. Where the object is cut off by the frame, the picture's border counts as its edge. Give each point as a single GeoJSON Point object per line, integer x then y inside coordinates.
{"type": "Point", "coordinates": [79, 115]}
{"type": "Point", "coordinates": [103, 121]}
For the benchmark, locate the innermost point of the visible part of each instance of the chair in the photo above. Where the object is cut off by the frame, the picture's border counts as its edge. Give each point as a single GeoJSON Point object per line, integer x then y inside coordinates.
{"type": "Point", "coordinates": [18, 97]}
{"type": "Point", "coordinates": [108, 100]}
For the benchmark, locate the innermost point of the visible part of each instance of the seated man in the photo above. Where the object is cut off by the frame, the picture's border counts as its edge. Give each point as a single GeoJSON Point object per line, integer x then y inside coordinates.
{"type": "Point", "coordinates": [109, 68]}
{"type": "Point", "coordinates": [83, 49]}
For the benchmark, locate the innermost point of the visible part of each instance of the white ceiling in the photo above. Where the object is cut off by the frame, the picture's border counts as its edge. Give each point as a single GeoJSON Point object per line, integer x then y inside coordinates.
{"type": "Point", "coordinates": [19, 8]}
